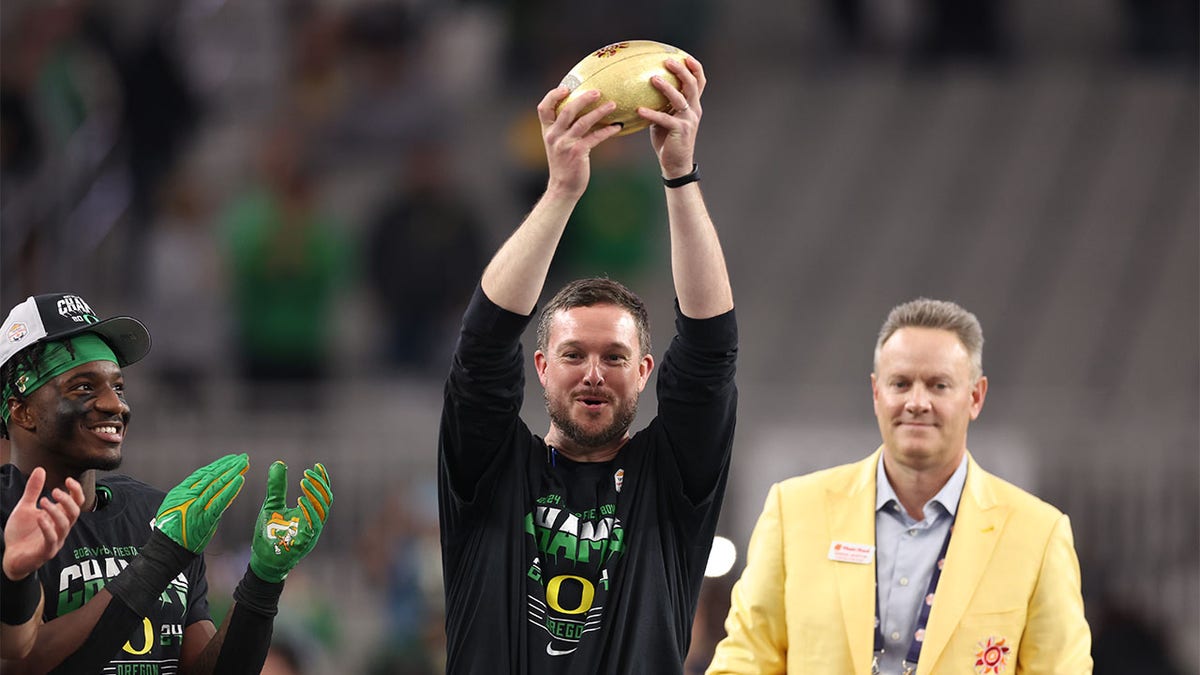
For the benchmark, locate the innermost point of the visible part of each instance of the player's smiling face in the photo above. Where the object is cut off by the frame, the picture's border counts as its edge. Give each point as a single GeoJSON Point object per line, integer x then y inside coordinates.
{"type": "Point", "coordinates": [81, 417]}
{"type": "Point", "coordinates": [593, 371]}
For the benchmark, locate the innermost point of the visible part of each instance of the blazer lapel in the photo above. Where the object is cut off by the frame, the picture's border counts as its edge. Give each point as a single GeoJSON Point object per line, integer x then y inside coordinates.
{"type": "Point", "coordinates": [976, 531]}
{"type": "Point", "coordinates": [852, 519]}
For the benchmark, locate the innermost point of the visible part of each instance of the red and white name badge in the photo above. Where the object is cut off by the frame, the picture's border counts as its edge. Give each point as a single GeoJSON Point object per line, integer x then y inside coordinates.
{"type": "Point", "coordinates": [844, 551]}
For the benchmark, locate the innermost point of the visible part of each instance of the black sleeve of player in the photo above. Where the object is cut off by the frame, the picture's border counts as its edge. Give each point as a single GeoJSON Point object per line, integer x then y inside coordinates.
{"type": "Point", "coordinates": [133, 592]}
{"type": "Point", "coordinates": [246, 642]}
{"type": "Point", "coordinates": [251, 623]}
{"type": "Point", "coordinates": [18, 599]}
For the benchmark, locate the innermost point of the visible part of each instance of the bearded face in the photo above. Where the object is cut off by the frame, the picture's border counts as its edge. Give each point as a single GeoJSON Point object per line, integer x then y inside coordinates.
{"type": "Point", "coordinates": [593, 372]}
{"type": "Point", "coordinates": [587, 428]}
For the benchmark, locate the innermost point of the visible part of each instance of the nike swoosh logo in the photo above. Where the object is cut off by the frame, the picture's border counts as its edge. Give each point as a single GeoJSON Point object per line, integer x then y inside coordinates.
{"type": "Point", "coordinates": [554, 652]}
{"type": "Point", "coordinates": [166, 520]}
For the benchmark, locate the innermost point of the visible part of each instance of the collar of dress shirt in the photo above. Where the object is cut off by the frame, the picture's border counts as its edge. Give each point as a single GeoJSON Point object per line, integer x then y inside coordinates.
{"type": "Point", "coordinates": [948, 496]}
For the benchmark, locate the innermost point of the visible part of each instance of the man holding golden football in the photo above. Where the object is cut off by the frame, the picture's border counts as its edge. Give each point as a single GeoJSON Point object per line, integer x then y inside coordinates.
{"type": "Point", "coordinates": [583, 550]}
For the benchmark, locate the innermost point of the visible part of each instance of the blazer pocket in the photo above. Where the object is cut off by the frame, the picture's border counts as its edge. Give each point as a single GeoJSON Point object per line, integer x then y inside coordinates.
{"type": "Point", "coordinates": [991, 636]}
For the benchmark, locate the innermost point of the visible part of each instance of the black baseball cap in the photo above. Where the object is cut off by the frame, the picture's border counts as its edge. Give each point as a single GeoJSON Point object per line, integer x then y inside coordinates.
{"type": "Point", "coordinates": [54, 316]}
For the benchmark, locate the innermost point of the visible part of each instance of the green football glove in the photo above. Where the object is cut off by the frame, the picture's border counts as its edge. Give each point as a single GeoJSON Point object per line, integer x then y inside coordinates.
{"type": "Point", "coordinates": [191, 510]}
{"type": "Point", "coordinates": [284, 536]}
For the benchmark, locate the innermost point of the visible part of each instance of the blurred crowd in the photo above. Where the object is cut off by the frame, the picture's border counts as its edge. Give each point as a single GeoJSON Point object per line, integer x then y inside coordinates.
{"type": "Point", "coordinates": [258, 169]}
{"type": "Point", "coordinates": [250, 178]}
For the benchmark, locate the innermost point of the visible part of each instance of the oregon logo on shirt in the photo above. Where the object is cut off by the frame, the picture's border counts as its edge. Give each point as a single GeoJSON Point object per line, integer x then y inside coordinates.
{"type": "Point", "coordinates": [575, 550]}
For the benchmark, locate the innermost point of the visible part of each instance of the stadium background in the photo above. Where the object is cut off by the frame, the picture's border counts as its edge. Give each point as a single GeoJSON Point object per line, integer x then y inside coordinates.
{"type": "Point", "coordinates": [1036, 162]}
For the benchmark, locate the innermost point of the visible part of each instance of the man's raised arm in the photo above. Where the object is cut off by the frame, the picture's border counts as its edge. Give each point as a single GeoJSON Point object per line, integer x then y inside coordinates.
{"type": "Point", "coordinates": [697, 262]}
{"type": "Point", "coordinates": [514, 278]}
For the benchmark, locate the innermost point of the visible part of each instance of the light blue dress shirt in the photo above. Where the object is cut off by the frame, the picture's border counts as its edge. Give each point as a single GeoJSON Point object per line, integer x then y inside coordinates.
{"type": "Point", "coordinates": [906, 551]}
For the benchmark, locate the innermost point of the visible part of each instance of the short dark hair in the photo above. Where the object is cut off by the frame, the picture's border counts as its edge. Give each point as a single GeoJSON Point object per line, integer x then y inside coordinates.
{"type": "Point", "coordinates": [26, 360]}
{"type": "Point", "coordinates": [596, 291]}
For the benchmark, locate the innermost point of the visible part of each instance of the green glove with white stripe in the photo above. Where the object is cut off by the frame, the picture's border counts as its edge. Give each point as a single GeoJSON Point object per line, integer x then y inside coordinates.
{"type": "Point", "coordinates": [190, 512]}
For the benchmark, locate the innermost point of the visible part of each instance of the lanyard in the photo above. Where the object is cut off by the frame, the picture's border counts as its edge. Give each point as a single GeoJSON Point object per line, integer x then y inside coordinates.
{"type": "Point", "coordinates": [909, 664]}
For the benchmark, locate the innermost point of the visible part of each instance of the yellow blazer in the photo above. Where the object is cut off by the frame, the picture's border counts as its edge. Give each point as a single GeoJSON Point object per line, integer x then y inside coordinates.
{"type": "Point", "coordinates": [1011, 581]}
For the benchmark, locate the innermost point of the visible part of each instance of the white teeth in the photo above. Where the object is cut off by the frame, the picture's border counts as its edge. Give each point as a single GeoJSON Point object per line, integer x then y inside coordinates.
{"type": "Point", "coordinates": [107, 430]}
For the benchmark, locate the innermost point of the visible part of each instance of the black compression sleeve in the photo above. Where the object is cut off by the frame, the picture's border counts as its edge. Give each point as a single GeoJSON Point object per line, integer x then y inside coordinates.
{"type": "Point", "coordinates": [18, 599]}
{"type": "Point", "coordinates": [147, 576]}
{"type": "Point", "coordinates": [134, 591]}
{"type": "Point", "coordinates": [250, 625]}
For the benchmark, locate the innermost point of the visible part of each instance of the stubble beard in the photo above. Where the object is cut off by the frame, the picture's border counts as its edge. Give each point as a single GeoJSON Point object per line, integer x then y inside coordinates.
{"type": "Point", "coordinates": [560, 417]}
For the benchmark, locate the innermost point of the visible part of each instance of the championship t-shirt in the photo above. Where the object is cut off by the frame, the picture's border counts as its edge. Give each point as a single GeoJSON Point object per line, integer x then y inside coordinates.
{"type": "Point", "coordinates": [99, 546]}
{"type": "Point", "coordinates": [555, 566]}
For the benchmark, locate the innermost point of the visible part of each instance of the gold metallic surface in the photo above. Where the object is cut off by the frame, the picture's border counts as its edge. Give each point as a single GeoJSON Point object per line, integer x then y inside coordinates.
{"type": "Point", "coordinates": [621, 72]}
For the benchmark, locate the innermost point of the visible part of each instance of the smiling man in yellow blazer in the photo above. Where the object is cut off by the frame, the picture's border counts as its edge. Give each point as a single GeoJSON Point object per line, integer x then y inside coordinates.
{"type": "Point", "coordinates": [914, 560]}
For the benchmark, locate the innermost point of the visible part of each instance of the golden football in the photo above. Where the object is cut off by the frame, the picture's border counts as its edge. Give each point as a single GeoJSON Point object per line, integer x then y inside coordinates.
{"type": "Point", "coordinates": [621, 72]}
